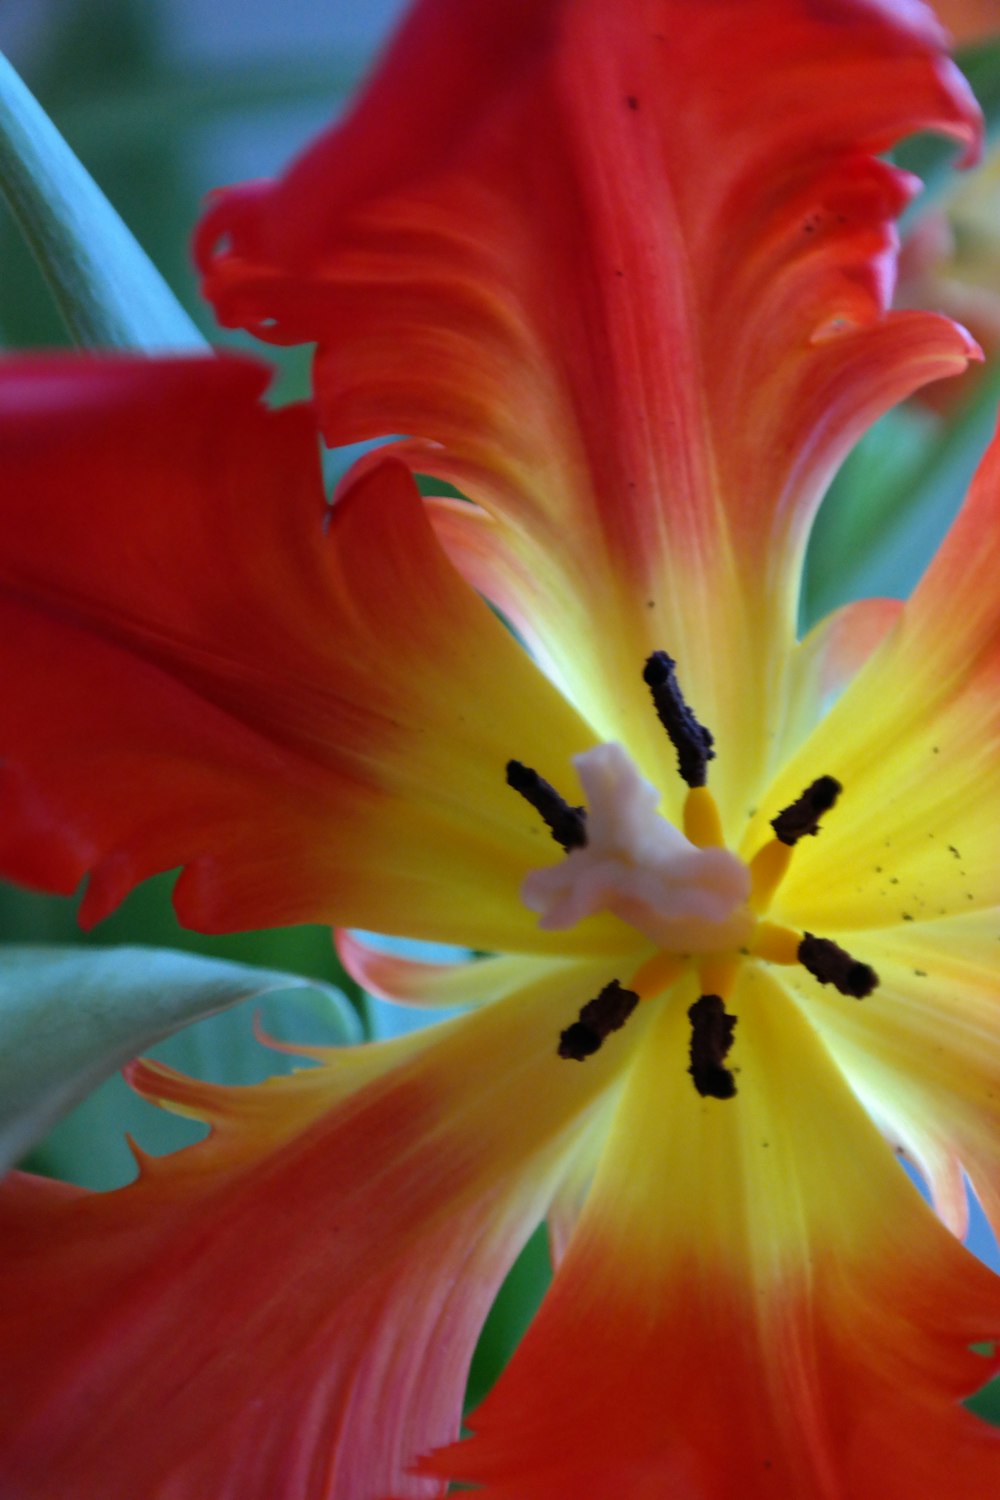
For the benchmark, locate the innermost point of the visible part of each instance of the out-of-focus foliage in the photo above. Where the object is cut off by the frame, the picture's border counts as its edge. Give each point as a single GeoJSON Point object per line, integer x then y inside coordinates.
{"type": "Point", "coordinates": [70, 1017]}
{"type": "Point", "coordinates": [108, 291]}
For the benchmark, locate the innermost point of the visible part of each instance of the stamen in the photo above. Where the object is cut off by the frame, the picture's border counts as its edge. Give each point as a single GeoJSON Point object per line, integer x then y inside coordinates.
{"type": "Point", "coordinates": [702, 824]}
{"type": "Point", "coordinates": [717, 973]}
{"type": "Point", "coordinates": [768, 869]}
{"type": "Point", "coordinates": [712, 1030]}
{"type": "Point", "coordinates": [598, 1019]}
{"type": "Point", "coordinates": [691, 740]}
{"type": "Point", "coordinates": [776, 944]}
{"type": "Point", "coordinates": [802, 816]}
{"type": "Point", "coordinates": [831, 964]}
{"type": "Point", "coordinates": [657, 974]}
{"type": "Point", "coordinates": [567, 825]}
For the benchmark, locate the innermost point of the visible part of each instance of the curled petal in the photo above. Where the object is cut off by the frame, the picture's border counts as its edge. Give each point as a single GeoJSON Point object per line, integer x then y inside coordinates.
{"type": "Point", "coordinates": [408, 981]}
{"type": "Point", "coordinates": [795, 1322]}
{"type": "Point", "coordinates": [207, 666]}
{"type": "Point", "coordinates": [623, 271]}
{"type": "Point", "coordinates": [915, 741]}
{"type": "Point", "coordinates": [295, 1324]}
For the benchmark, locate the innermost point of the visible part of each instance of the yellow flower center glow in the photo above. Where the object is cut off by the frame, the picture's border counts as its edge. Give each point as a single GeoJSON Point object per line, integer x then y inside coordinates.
{"type": "Point", "coordinates": [683, 892]}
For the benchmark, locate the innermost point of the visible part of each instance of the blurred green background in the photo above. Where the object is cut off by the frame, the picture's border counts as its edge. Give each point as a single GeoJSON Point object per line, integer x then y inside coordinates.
{"type": "Point", "coordinates": [164, 101]}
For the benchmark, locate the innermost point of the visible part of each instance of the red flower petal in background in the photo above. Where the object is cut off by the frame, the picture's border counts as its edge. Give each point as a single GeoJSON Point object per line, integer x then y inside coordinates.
{"type": "Point", "coordinates": [623, 271]}
{"type": "Point", "coordinates": [970, 20]}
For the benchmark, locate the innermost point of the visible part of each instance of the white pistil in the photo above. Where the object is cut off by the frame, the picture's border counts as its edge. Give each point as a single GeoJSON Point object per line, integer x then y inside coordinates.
{"type": "Point", "coordinates": [641, 868]}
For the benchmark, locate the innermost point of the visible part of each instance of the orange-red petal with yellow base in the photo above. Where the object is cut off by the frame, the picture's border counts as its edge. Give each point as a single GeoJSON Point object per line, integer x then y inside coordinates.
{"type": "Point", "coordinates": [207, 666]}
{"type": "Point", "coordinates": [923, 1050]}
{"type": "Point", "coordinates": [255, 1311]}
{"type": "Point", "coordinates": [915, 741]}
{"type": "Point", "coordinates": [825, 662]}
{"type": "Point", "coordinates": [412, 981]}
{"type": "Point", "coordinates": [627, 278]}
{"type": "Point", "coordinates": [755, 1302]}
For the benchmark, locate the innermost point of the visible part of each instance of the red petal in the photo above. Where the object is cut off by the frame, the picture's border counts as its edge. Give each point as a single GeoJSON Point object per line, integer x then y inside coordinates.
{"type": "Point", "coordinates": [287, 1310]}
{"type": "Point", "coordinates": [755, 1303]}
{"type": "Point", "coordinates": [207, 667]}
{"type": "Point", "coordinates": [624, 271]}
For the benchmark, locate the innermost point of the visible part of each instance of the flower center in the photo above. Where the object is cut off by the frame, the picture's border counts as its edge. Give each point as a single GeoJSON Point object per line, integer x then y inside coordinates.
{"type": "Point", "coordinates": [634, 863]}
{"type": "Point", "coordinates": [692, 899]}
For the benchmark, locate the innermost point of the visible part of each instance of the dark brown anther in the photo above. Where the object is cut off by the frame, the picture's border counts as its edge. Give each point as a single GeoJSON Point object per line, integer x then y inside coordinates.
{"type": "Point", "coordinates": [712, 1030]}
{"type": "Point", "coordinates": [691, 740]}
{"type": "Point", "coordinates": [831, 964]}
{"type": "Point", "coordinates": [567, 825]}
{"type": "Point", "coordinates": [598, 1019]}
{"type": "Point", "coordinates": [803, 815]}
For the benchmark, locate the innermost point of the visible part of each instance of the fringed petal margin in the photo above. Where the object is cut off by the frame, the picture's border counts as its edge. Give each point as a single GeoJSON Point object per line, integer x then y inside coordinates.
{"type": "Point", "coordinates": [409, 981]}
{"type": "Point", "coordinates": [756, 1302]}
{"type": "Point", "coordinates": [287, 1310]}
{"type": "Point", "coordinates": [915, 741]}
{"type": "Point", "coordinates": [208, 666]}
{"type": "Point", "coordinates": [623, 272]}
{"type": "Point", "coordinates": [923, 1051]}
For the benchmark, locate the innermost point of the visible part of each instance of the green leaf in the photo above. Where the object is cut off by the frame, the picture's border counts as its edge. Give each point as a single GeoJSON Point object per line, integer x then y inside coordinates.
{"type": "Point", "coordinates": [69, 1017]}
{"type": "Point", "coordinates": [176, 101]}
{"type": "Point", "coordinates": [891, 504]}
{"type": "Point", "coordinates": [107, 289]}
{"type": "Point", "coordinates": [515, 1307]}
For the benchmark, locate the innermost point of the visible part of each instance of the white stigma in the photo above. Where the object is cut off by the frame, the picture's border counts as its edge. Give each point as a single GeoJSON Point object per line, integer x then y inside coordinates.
{"type": "Point", "coordinates": [640, 867]}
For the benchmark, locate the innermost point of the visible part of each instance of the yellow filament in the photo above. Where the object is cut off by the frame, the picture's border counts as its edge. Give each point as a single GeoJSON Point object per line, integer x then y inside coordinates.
{"type": "Point", "coordinates": [657, 974]}
{"type": "Point", "coordinates": [775, 944]}
{"type": "Point", "coordinates": [702, 824]}
{"type": "Point", "coordinates": [717, 974]}
{"type": "Point", "coordinates": [767, 870]}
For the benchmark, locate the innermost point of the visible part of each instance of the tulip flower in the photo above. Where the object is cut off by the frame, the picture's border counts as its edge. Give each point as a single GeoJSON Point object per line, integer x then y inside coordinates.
{"type": "Point", "coordinates": [621, 274]}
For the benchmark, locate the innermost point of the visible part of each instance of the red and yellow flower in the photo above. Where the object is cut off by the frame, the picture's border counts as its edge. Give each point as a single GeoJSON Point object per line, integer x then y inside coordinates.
{"type": "Point", "coordinates": [620, 273]}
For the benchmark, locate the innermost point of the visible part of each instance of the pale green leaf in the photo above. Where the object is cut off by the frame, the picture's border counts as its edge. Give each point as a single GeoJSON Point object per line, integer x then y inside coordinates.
{"type": "Point", "coordinates": [107, 289]}
{"type": "Point", "coordinates": [70, 1017]}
